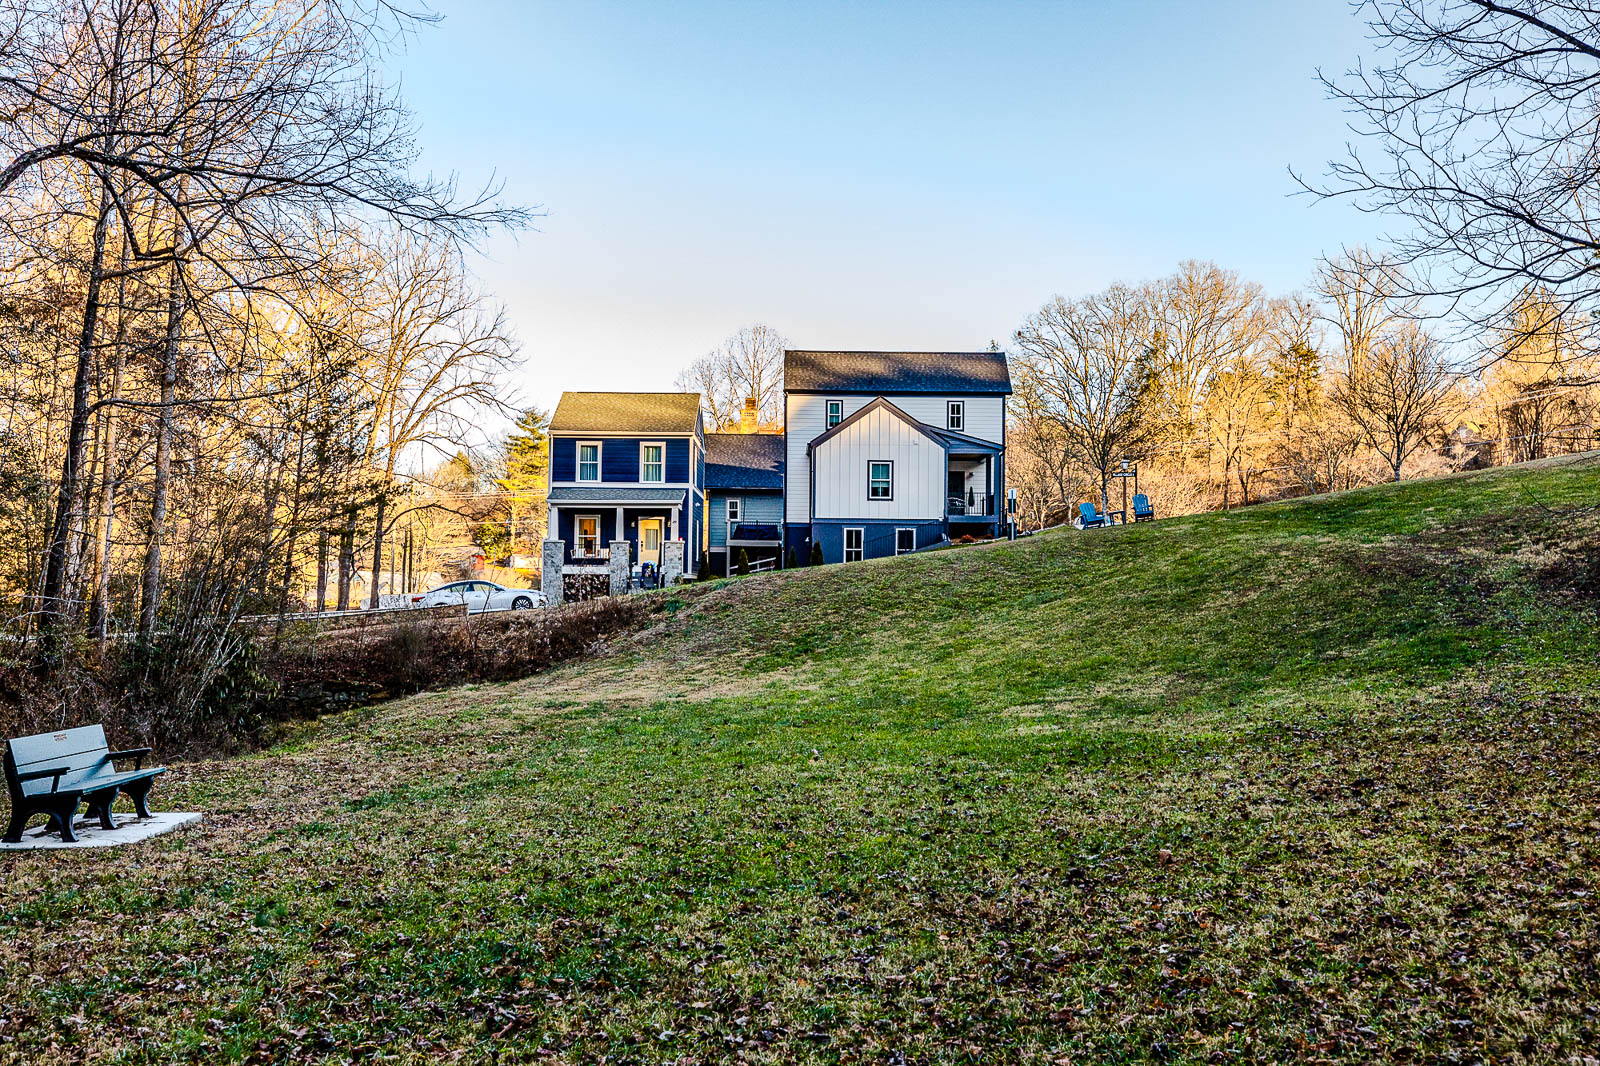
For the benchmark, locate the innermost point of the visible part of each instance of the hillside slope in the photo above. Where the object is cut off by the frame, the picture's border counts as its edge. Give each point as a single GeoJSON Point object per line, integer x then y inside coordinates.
{"type": "Point", "coordinates": [1313, 781]}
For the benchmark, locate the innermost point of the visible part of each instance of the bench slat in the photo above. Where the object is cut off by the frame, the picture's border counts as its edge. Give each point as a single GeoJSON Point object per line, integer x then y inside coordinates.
{"type": "Point", "coordinates": [59, 748]}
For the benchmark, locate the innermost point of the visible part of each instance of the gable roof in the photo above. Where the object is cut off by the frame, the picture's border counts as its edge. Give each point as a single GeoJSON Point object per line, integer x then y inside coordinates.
{"type": "Point", "coordinates": [890, 372]}
{"type": "Point", "coordinates": [626, 412]}
{"type": "Point", "coordinates": [744, 460]}
{"type": "Point", "coordinates": [879, 404]}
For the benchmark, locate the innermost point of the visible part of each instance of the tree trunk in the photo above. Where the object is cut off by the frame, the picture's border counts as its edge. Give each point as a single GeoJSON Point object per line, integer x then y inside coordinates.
{"type": "Point", "coordinates": [347, 557]}
{"type": "Point", "coordinates": [150, 594]}
{"type": "Point", "coordinates": [54, 595]}
{"type": "Point", "coordinates": [322, 571]}
{"type": "Point", "coordinates": [377, 551]}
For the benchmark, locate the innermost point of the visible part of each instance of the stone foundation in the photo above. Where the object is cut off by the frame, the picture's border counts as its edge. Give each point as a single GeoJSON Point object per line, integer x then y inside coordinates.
{"type": "Point", "coordinates": [550, 583]}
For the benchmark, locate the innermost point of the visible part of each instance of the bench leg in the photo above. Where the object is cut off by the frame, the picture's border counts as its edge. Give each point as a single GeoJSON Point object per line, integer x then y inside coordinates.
{"type": "Point", "coordinates": [100, 806]}
{"type": "Point", "coordinates": [137, 791]}
{"type": "Point", "coordinates": [61, 813]}
{"type": "Point", "coordinates": [19, 822]}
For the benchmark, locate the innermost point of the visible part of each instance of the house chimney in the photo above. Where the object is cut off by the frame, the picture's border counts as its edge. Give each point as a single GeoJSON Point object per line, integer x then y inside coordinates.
{"type": "Point", "coordinates": [750, 417]}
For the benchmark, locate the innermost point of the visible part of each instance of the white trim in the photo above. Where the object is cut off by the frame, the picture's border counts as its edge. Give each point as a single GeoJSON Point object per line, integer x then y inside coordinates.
{"type": "Point", "coordinates": [577, 463]}
{"type": "Point", "coordinates": [955, 415]}
{"type": "Point", "coordinates": [828, 421]}
{"type": "Point", "coordinates": [663, 464]}
{"type": "Point", "coordinates": [905, 529]}
{"type": "Point", "coordinates": [861, 543]}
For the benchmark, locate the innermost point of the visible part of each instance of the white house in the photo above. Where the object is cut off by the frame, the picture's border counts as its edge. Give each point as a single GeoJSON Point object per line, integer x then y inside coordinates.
{"type": "Point", "coordinates": [889, 452]}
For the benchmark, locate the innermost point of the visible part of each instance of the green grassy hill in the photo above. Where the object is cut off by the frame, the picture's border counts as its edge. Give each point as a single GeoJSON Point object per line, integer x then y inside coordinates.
{"type": "Point", "coordinates": [1314, 781]}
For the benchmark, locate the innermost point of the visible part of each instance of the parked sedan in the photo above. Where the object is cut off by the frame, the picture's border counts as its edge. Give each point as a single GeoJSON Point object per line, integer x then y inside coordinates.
{"type": "Point", "coordinates": [480, 596]}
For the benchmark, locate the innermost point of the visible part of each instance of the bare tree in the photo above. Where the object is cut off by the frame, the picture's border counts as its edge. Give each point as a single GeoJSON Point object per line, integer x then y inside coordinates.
{"type": "Point", "coordinates": [1481, 120]}
{"type": "Point", "coordinates": [1397, 394]}
{"type": "Point", "coordinates": [748, 365]}
{"type": "Point", "coordinates": [1366, 297]}
{"type": "Point", "coordinates": [1081, 364]}
{"type": "Point", "coordinates": [1205, 318]}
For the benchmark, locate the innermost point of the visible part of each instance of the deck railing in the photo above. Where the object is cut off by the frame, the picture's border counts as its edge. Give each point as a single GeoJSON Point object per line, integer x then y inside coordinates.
{"type": "Point", "coordinates": [972, 505]}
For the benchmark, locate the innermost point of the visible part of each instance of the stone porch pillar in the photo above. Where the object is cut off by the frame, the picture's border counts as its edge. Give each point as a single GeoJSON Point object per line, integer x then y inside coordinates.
{"type": "Point", "coordinates": [550, 582]}
{"type": "Point", "coordinates": [620, 570]}
{"type": "Point", "coordinates": [672, 562]}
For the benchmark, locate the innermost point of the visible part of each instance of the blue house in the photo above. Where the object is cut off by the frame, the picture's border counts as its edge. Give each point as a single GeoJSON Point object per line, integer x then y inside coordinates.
{"type": "Point", "coordinates": [744, 489]}
{"type": "Point", "coordinates": [627, 466]}
{"type": "Point", "coordinates": [891, 452]}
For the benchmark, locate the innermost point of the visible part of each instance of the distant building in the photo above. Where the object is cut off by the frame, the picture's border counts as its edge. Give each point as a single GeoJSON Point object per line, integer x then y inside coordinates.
{"type": "Point", "coordinates": [627, 466]}
{"type": "Point", "coordinates": [744, 490]}
{"type": "Point", "coordinates": [890, 452]}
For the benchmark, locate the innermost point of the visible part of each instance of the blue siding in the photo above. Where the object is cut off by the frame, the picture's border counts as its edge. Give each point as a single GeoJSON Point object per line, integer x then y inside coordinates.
{"type": "Point", "coordinates": [717, 516]}
{"type": "Point", "coordinates": [563, 459]}
{"type": "Point", "coordinates": [565, 523]}
{"type": "Point", "coordinates": [877, 537]}
{"type": "Point", "coordinates": [619, 460]}
{"type": "Point", "coordinates": [678, 461]}
{"type": "Point", "coordinates": [765, 508]}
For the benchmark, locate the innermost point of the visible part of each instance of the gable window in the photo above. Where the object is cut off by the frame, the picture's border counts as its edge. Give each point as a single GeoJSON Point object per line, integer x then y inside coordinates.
{"type": "Point", "coordinates": [880, 480]}
{"type": "Point", "coordinates": [955, 415]}
{"type": "Point", "coordinates": [854, 539]}
{"type": "Point", "coordinates": [586, 535]}
{"type": "Point", "coordinates": [835, 412]}
{"type": "Point", "coordinates": [905, 540]}
{"type": "Point", "coordinates": [589, 461]}
{"type": "Point", "coordinates": [652, 463]}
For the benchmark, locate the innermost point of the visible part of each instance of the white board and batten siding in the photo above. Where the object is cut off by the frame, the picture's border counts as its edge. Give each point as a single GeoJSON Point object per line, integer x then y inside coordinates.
{"type": "Point", "coordinates": [919, 474]}
{"type": "Point", "coordinates": [806, 418]}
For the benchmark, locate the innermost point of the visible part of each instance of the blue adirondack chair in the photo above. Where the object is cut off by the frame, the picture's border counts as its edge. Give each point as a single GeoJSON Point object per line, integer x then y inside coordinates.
{"type": "Point", "coordinates": [1142, 511]}
{"type": "Point", "coordinates": [1092, 519]}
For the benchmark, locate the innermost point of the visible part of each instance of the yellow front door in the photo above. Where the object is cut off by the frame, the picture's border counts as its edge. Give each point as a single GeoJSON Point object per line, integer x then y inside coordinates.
{"type": "Point", "coordinates": [650, 541]}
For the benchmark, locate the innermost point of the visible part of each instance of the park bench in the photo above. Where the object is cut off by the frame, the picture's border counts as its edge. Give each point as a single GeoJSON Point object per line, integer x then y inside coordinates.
{"type": "Point", "coordinates": [50, 773]}
{"type": "Point", "coordinates": [1142, 511]}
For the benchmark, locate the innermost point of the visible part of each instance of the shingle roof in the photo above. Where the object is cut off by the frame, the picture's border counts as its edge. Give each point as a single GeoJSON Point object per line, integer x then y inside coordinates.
{"type": "Point", "coordinates": [614, 494]}
{"type": "Point", "coordinates": [891, 372]}
{"type": "Point", "coordinates": [744, 460]}
{"type": "Point", "coordinates": [626, 412]}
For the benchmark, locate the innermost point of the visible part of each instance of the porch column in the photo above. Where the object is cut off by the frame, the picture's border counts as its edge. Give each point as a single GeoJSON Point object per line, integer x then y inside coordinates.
{"type": "Point", "coordinates": [621, 533]}
{"type": "Point", "coordinates": [621, 571]}
{"type": "Point", "coordinates": [550, 582]}
{"type": "Point", "coordinates": [672, 562]}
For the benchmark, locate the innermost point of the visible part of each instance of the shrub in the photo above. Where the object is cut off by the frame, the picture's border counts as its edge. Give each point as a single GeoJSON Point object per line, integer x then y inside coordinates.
{"type": "Point", "coordinates": [744, 562]}
{"type": "Point", "coordinates": [791, 560]}
{"type": "Point", "coordinates": [816, 554]}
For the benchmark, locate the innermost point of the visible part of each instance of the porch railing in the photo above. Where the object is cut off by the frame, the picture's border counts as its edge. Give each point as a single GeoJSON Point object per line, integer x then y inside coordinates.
{"type": "Point", "coordinates": [971, 505]}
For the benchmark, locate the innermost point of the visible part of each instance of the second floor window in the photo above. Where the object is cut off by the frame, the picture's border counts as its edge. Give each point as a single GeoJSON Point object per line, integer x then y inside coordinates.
{"type": "Point", "coordinates": [835, 412]}
{"type": "Point", "coordinates": [734, 509]}
{"type": "Point", "coordinates": [588, 462]}
{"type": "Point", "coordinates": [651, 465]}
{"type": "Point", "coordinates": [956, 415]}
{"type": "Point", "coordinates": [880, 481]}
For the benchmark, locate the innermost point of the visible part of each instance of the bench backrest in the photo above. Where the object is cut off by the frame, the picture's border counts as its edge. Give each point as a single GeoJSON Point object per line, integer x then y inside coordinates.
{"type": "Point", "coordinates": [82, 750]}
{"type": "Point", "coordinates": [1141, 503]}
{"type": "Point", "coordinates": [1088, 512]}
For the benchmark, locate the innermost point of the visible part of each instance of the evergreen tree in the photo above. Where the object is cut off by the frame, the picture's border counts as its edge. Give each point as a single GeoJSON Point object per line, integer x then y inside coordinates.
{"type": "Point", "coordinates": [816, 555]}
{"type": "Point", "coordinates": [527, 452]}
{"type": "Point", "coordinates": [744, 562]}
{"type": "Point", "coordinates": [791, 560]}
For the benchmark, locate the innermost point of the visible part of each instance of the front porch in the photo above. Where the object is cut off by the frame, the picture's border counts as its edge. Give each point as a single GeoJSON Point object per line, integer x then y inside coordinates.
{"type": "Point", "coordinates": [970, 488]}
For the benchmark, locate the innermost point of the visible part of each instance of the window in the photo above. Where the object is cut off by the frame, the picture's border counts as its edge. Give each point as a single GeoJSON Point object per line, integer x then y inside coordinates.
{"type": "Point", "coordinates": [955, 414]}
{"type": "Point", "coordinates": [880, 480]}
{"type": "Point", "coordinates": [735, 514]}
{"type": "Point", "coordinates": [589, 461]}
{"type": "Point", "coordinates": [652, 465]}
{"type": "Point", "coordinates": [835, 412]}
{"type": "Point", "coordinates": [854, 538]}
{"type": "Point", "coordinates": [905, 540]}
{"type": "Point", "coordinates": [586, 535]}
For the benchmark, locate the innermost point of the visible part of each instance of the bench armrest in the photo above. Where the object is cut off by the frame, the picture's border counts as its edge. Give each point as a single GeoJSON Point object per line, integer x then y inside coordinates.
{"type": "Point", "coordinates": [55, 773]}
{"type": "Point", "coordinates": [131, 753]}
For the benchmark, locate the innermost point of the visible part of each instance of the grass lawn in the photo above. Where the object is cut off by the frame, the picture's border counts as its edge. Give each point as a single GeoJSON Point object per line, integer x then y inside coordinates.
{"type": "Point", "coordinates": [1314, 782]}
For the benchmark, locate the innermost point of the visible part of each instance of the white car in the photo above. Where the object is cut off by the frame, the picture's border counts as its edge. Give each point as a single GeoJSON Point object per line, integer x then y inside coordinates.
{"type": "Point", "coordinates": [480, 596]}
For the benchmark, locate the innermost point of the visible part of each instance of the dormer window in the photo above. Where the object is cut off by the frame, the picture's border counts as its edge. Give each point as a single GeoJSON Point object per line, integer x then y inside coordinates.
{"type": "Point", "coordinates": [835, 412]}
{"type": "Point", "coordinates": [652, 464]}
{"type": "Point", "coordinates": [589, 460]}
{"type": "Point", "coordinates": [955, 415]}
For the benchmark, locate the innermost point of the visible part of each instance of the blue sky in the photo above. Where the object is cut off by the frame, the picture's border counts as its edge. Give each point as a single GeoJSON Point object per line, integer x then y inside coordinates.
{"type": "Point", "coordinates": [873, 175]}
